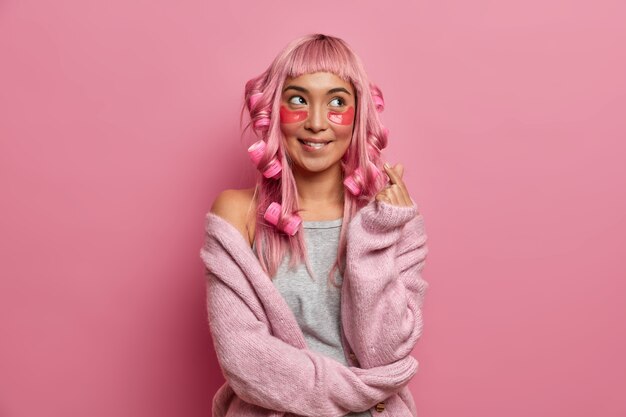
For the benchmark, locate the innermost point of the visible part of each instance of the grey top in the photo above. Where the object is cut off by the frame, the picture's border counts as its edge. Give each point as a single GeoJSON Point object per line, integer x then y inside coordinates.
{"type": "Point", "coordinates": [316, 303]}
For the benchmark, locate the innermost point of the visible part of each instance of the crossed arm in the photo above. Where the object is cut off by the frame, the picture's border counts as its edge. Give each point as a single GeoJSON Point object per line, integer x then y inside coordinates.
{"type": "Point", "coordinates": [268, 372]}
{"type": "Point", "coordinates": [383, 285]}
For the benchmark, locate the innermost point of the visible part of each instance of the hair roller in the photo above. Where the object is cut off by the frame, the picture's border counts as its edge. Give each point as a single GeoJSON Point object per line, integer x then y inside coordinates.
{"type": "Point", "coordinates": [356, 181]}
{"type": "Point", "coordinates": [273, 169]}
{"type": "Point", "coordinates": [262, 123]}
{"type": "Point", "coordinates": [261, 116]}
{"type": "Point", "coordinates": [379, 102]}
{"type": "Point", "coordinates": [372, 150]}
{"type": "Point", "coordinates": [377, 97]}
{"type": "Point", "coordinates": [256, 152]}
{"type": "Point", "coordinates": [289, 226]}
{"type": "Point", "coordinates": [384, 135]}
{"type": "Point", "coordinates": [253, 99]}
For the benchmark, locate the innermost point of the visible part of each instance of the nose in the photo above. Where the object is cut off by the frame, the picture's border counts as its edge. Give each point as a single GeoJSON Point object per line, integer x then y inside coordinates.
{"type": "Point", "coordinates": [317, 119]}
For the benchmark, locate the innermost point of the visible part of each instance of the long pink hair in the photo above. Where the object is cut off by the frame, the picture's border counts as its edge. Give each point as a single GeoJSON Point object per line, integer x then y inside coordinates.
{"type": "Point", "coordinates": [309, 54]}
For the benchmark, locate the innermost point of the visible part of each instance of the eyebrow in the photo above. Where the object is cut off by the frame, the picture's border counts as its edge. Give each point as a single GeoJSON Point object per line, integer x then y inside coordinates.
{"type": "Point", "coordinates": [304, 90]}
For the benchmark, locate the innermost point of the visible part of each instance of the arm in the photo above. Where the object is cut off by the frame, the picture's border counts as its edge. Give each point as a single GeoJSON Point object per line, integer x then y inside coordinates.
{"type": "Point", "coordinates": [384, 289]}
{"type": "Point", "coordinates": [265, 371]}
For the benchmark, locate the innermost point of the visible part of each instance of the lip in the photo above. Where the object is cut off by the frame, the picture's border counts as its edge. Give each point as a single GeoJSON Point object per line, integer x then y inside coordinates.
{"type": "Point", "coordinates": [314, 140]}
{"type": "Point", "coordinates": [313, 149]}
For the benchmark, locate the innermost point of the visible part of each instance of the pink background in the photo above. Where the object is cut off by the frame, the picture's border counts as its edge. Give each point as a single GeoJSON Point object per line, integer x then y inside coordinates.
{"type": "Point", "coordinates": [119, 125]}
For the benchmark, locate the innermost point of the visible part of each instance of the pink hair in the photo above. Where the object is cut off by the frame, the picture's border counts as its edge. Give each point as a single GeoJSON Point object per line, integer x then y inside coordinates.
{"type": "Point", "coordinates": [309, 54]}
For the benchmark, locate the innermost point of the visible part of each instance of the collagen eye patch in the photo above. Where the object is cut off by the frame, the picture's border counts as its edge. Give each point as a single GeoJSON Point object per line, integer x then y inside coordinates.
{"type": "Point", "coordinates": [295, 116]}
{"type": "Point", "coordinates": [289, 116]}
{"type": "Point", "coordinates": [344, 118]}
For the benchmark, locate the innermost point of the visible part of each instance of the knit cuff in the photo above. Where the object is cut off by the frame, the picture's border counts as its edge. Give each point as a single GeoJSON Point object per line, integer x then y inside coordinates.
{"type": "Point", "coordinates": [382, 216]}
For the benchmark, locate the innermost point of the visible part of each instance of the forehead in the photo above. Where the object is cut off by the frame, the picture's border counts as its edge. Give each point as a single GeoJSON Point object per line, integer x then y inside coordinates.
{"type": "Point", "coordinates": [322, 81]}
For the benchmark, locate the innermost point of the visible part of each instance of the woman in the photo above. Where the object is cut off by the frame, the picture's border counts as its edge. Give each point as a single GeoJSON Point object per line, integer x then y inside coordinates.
{"type": "Point", "coordinates": [320, 168]}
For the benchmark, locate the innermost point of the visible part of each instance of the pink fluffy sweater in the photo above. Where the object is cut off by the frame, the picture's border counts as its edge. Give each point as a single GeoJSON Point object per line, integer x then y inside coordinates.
{"type": "Point", "coordinates": [261, 350]}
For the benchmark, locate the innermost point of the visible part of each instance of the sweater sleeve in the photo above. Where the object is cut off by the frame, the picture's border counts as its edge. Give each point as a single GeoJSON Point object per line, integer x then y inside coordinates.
{"type": "Point", "coordinates": [268, 372]}
{"type": "Point", "coordinates": [384, 288]}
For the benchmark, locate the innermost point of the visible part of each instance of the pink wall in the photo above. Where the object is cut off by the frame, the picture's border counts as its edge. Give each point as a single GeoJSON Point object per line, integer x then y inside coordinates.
{"type": "Point", "coordinates": [119, 125]}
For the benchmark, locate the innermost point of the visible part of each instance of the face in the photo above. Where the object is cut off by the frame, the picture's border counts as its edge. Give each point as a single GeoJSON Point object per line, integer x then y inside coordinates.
{"type": "Point", "coordinates": [317, 107]}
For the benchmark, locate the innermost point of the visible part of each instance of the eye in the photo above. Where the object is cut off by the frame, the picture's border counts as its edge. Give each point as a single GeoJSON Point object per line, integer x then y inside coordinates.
{"type": "Point", "coordinates": [341, 101]}
{"type": "Point", "coordinates": [296, 102]}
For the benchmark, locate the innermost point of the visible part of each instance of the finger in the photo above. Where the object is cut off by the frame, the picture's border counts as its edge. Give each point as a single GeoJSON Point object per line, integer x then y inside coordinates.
{"type": "Point", "coordinates": [399, 168]}
{"type": "Point", "coordinates": [389, 195]}
{"type": "Point", "coordinates": [403, 196]}
{"type": "Point", "coordinates": [399, 195]}
{"type": "Point", "coordinates": [397, 173]}
{"type": "Point", "coordinates": [391, 173]}
{"type": "Point", "coordinates": [386, 192]}
{"type": "Point", "coordinates": [405, 191]}
{"type": "Point", "coordinates": [382, 197]}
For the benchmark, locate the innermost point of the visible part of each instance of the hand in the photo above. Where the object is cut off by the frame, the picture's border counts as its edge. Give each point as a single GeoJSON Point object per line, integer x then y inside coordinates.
{"type": "Point", "coordinates": [395, 192]}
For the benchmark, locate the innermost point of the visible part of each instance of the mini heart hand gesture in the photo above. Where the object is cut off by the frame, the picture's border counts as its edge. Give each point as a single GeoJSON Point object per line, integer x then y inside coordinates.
{"type": "Point", "coordinates": [395, 192]}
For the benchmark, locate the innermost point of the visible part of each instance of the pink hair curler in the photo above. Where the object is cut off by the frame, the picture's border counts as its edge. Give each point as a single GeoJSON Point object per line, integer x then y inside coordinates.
{"type": "Point", "coordinates": [380, 103]}
{"type": "Point", "coordinates": [273, 169]}
{"type": "Point", "coordinates": [253, 99]}
{"type": "Point", "coordinates": [262, 123]}
{"type": "Point", "coordinates": [290, 226]}
{"type": "Point", "coordinates": [256, 151]}
{"type": "Point", "coordinates": [354, 181]}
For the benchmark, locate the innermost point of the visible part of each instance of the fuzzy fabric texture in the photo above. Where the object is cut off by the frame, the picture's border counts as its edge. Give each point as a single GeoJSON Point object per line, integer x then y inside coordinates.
{"type": "Point", "coordinates": [261, 350]}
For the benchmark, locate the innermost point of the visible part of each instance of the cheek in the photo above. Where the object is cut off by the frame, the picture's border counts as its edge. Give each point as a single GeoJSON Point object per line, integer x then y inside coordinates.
{"type": "Point", "coordinates": [346, 118]}
{"type": "Point", "coordinates": [343, 133]}
{"type": "Point", "coordinates": [288, 116]}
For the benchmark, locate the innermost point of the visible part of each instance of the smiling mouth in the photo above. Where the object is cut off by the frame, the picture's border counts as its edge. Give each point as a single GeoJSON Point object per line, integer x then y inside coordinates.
{"type": "Point", "coordinates": [314, 144]}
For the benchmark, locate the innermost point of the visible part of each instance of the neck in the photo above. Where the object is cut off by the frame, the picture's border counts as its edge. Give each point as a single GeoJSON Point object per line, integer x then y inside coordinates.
{"type": "Point", "coordinates": [323, 188]}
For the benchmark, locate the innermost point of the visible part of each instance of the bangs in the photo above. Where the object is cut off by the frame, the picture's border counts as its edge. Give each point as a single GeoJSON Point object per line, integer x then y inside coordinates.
{"type": "Point", "coordinates": [322, 55]}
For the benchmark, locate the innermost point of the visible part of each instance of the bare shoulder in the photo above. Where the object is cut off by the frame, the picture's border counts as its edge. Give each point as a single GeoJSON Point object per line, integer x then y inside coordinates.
{"type": "Point", "coordinates": [236, 207]}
